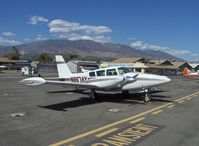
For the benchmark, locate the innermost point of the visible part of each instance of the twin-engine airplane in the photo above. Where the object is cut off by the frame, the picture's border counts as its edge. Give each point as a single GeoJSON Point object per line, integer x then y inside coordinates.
{"type": "Point", "coordinates": [106, 79]}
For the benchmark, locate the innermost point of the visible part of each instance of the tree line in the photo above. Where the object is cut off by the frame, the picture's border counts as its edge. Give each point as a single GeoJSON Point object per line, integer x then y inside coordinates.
{"type": "Point", "coordinates": [14, 54]}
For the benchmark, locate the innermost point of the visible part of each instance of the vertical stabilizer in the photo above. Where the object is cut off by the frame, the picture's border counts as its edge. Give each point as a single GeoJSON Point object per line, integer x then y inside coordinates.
{"type": "Point", "coordinates": [62, 67]}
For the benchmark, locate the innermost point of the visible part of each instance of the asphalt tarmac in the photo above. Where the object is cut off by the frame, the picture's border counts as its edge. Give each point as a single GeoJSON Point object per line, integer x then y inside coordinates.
{"type": "Point", "coordinates": [54, 115]}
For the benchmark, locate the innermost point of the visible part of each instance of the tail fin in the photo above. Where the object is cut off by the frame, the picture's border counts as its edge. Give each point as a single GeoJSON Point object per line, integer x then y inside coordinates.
{"type": "Point", "coordinates": [186, 72]}
{"type": "Point", "coordinates": [62, 67]}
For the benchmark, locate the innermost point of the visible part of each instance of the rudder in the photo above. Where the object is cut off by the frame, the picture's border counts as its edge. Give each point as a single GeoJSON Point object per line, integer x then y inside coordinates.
{"type": "Point", "coordinates": [62, 67]}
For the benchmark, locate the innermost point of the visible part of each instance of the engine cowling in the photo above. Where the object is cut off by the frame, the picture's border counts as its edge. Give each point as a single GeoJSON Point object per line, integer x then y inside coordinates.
{"type": "Point", "coordinates": [130, 78]}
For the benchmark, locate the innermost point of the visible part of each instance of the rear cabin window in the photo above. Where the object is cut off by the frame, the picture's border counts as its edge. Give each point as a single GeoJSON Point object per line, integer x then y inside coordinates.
{"type": "Point", "coordinates": [101, 73]}
{"type": "Point", "coordinates": [92, 74]}
{"type": "Point", "coordinates": [111, 72]}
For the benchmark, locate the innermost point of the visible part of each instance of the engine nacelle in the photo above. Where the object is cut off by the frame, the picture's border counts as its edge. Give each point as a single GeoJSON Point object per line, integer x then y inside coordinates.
{"type": "Point", "coordinates": [129, 78]}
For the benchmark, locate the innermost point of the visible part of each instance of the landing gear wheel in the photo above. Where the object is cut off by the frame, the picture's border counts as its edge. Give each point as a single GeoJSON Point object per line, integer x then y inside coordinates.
{"type": "Point", "coordinates": [147, 98]}
{"type": "Point", "coordinates": [125, 92]}
{"type": "Point", "coordinates": [93, 95]}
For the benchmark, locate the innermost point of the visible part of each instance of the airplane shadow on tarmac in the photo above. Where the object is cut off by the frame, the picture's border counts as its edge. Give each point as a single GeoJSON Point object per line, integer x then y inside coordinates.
{"type": "Point", "coordinates": [132, 99]}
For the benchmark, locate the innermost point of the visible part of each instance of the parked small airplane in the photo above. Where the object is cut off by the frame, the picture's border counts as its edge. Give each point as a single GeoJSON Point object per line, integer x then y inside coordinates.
{"type": "Point", "coordinates": [106, 79]}
{"type": "Point", "coordinates": [188, 73]}
{"type": "Point", "coordinates": [2, 67]}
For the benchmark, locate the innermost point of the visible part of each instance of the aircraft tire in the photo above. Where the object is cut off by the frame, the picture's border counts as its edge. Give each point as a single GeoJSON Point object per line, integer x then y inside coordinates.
{"type": "Point", "coordinates": [147, 98]}
{"type": "Point", "coordinates": [125, 92]}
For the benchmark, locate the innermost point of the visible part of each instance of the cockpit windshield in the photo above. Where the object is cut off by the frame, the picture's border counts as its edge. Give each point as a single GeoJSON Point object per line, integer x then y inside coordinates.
{"type": "Point", "coordinates": [124, 70]}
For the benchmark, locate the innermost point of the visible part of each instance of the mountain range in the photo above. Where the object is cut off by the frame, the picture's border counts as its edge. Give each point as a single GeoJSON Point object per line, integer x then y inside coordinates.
{"type": "Point", "coordinates": [85, 49]}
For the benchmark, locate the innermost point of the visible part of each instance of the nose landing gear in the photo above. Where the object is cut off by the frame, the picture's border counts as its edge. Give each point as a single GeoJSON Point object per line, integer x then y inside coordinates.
{"type": "Point", "coordinates": [147, 98]}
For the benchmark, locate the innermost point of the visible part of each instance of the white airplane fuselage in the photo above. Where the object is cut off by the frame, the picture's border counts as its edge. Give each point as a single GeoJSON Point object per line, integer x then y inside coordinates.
{"type": "Point", "coordinates": [106, 79]}
{"type": "Point", "coordinates": [117, 82]}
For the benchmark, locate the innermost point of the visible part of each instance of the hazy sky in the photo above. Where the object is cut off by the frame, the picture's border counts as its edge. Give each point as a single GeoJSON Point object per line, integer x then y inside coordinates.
{"type": "Point", "coordinates": [168, 25]}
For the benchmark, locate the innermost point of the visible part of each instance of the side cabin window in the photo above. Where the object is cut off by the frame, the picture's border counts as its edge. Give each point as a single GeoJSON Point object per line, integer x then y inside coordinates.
{"type": "Point", "coordinates": [124, 70]}
{"type": "Point", "coordinates": [111, 72]}
{"type": "Point", "coordinates": [92, 74]}
{"type": "Point", "coordinates": [101, 73]}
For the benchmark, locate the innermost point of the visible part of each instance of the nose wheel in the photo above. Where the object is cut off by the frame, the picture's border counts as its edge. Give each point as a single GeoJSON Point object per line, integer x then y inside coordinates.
{"type": "Point", "coordinates": [147, 98]}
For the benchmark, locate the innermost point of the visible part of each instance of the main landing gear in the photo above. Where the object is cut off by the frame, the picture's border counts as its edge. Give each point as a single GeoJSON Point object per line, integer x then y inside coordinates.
{"type": "Point", "coordinates": [93, 95]}
{"type": "Point", "coordinates": [125, 92]}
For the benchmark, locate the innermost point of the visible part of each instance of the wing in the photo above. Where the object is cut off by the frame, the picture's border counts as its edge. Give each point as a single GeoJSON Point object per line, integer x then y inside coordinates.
{"type": "Point", "coordinates": [36, 81]}
{"type": "Point", "coordinates": [97, 83]}
{"type": "Point", "coordinates": [72, 84]}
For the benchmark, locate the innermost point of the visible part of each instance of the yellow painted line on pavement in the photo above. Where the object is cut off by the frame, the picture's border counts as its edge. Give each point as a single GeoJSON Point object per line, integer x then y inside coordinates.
{"type": "Point", "coordinates": [171, 106]}
{"type": "Point", "coordinates": [137, 120]}
{"type": "Point", "coordinates": [107, 126]}
{"type": "Point", "coordinates": [181, 101]}
{"type": "Point", "coordinates": [117, 123]}
{"type": "Point", "coordinates": [157, 112]}
{"type": "Point", "coordinates": [106, 132]}
{"type": "Point", "coordinates": [189, 98]}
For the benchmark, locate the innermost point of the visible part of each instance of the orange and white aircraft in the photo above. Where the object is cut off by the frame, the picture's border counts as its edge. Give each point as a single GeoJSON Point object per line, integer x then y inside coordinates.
{"type": "Point", "coordinates": [188, 73]}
